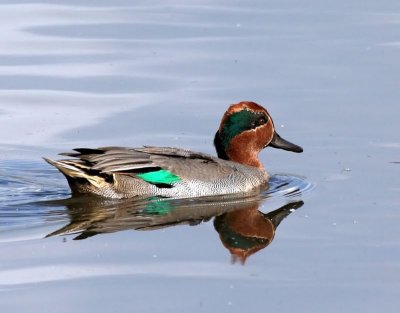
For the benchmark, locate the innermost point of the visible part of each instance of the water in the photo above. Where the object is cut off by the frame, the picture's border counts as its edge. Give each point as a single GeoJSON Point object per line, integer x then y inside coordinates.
{"type": "Point", "coordinates": [95, 73]}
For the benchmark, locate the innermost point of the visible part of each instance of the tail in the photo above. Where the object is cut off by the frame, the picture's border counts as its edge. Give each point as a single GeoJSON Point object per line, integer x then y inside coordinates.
{"type": "Point", "coordinates": [77, 174]}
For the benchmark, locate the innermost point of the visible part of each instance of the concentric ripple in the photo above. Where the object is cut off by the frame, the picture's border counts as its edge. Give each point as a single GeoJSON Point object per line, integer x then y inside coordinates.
{"type": "Point", "coordinates": [285, 185]}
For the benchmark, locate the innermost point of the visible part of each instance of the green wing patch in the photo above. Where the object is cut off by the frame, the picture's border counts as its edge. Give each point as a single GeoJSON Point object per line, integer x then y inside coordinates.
{"type": "Point", "coordinates": [160, 177]}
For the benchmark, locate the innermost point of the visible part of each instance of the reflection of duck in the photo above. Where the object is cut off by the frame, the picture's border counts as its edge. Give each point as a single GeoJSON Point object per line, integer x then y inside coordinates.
{"type": "Point", "coordinates": [93, 215]}
{"type": "Point", "coordinates": [242, 228]}
{"type": "Point", "coordinates": [115, 172]}
{"type": "Point", "coordinates": [246, 231]}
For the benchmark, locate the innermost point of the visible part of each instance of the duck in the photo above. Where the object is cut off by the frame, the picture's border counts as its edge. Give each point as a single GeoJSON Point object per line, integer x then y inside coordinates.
{"type": "Point", "coordinates": [246, 128]}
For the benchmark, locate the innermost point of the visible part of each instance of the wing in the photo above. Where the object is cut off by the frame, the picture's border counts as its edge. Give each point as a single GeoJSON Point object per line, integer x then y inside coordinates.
{"type": "Point", "coordinates": [165, 162]}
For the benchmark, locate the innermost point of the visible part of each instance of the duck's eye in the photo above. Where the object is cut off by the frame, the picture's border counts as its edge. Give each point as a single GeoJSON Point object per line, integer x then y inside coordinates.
{"type": "Point", "coordinates": [261, 121]}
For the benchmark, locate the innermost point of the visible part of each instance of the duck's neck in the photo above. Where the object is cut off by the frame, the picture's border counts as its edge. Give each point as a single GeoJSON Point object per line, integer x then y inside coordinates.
{"type": "Point", "coordinates": [235, 152]}
{"type": "Point", "coordinates": [244, 157]}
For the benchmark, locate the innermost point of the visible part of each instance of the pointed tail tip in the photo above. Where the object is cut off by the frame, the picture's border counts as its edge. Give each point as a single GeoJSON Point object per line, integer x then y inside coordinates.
{"type": "Point", "coordinates": [50, 161]}
{"type": "Point", "coordinates": [66, 169]}
{"type": "Point", "coordinates": [58, 165]}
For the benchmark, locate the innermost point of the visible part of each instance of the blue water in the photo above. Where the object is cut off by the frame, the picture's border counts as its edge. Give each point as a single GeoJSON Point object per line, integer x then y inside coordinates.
{"type": "Point", "coordinates": [100, 73]}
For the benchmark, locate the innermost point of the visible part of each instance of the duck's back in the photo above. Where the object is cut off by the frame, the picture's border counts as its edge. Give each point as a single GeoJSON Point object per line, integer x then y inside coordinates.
{"type": "Point", "coordinates": [118, 172]}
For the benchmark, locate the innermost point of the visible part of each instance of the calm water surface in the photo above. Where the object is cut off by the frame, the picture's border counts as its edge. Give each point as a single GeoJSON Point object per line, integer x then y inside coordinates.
{"type": "Point", "coordinates": [323, 238]}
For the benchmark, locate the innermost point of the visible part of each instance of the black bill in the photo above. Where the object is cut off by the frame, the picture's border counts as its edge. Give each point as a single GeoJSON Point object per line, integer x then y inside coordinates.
{"type": "Point", "coordinates": [280, 143]}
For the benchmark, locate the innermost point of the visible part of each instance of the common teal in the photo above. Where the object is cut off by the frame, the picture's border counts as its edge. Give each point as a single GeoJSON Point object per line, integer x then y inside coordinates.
{"type": "Point", "coordinates": [118, 172]}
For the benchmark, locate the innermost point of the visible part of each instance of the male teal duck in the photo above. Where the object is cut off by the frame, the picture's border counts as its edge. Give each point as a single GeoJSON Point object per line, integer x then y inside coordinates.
{"type": "Point", "coordinates": [118, 172]}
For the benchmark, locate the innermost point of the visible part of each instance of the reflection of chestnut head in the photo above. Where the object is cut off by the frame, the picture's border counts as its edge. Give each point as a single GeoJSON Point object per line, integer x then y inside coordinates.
{"type": "Point", "coordinates": [244, 232]}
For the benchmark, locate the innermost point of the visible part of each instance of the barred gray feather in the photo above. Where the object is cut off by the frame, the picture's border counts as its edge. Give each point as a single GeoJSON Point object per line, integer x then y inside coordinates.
{"type": "Point", "coordinates": [113, 172]}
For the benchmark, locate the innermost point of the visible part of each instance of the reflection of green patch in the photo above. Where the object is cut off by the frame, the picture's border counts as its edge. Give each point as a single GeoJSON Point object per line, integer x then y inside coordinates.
{"type": "Point", "coordinates": [160, 177]}
{"type": "Point", "coordinates": [158, 208]}
{"type": "Point", "coordinates": [235, 240]}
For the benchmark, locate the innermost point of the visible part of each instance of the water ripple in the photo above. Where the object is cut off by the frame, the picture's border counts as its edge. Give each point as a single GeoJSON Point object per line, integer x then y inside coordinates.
{"type": "Point", "coordinates": [32, 194]}
{"type": "Point", "coordinates": [22, 183]}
